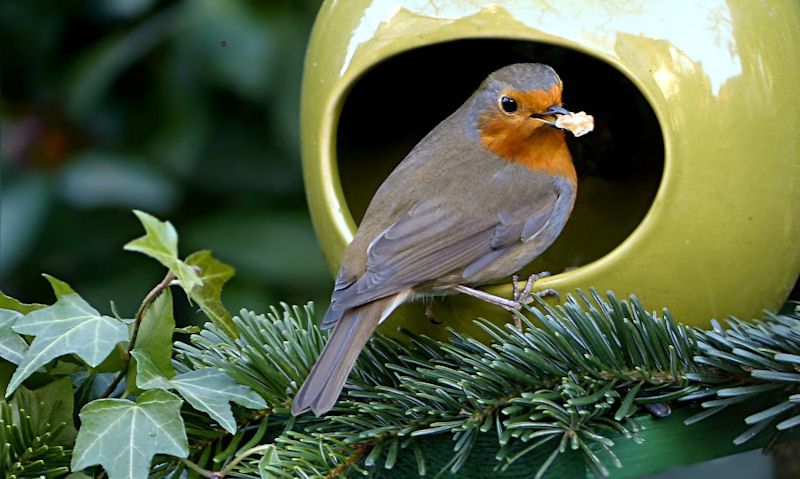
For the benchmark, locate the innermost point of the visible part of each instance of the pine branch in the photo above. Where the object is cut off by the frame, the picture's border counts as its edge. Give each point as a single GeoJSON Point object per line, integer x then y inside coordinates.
{"type": "Point", "coordinates": [568, 384]}
{"type": "Point", "coordinates": [25, 449]}
{"type": "Point", "coordinates": [752, 361]}
{"type": "Point", "coordinates": [572, 381]}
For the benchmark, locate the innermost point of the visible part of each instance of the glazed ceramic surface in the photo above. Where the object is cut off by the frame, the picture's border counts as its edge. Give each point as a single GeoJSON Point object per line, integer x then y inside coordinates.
{"type": "Point", "coordinates": [721, 235]}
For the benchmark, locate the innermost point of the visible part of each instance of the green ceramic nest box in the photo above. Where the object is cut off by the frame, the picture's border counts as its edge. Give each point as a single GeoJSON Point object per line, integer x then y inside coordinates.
{"type": "Point", "coordinates": [689, 188]}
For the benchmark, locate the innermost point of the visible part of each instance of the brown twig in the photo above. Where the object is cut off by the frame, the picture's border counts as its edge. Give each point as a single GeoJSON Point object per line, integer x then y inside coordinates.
{"type": "Point", "coordinates": [126, 358]}
{"type": "Point", "coordinates": [361, 450]}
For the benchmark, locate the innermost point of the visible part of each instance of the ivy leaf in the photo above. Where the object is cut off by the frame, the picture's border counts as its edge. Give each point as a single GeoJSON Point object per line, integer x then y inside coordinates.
{"type": "Point", "coordinates": [214, 274]}
{"type": "Point", "coordinates": [7, 302]}
{"type": "Point", "coordinates": [205, 288]}
{"type": "Point", "coordinates": [155, 337]}
{"type": "Point", "coordinates": [49, 407]}
{"type": "Point", "coordinates": [161, 243]}
{"type": "Point", "coordinates": [149, 376]}
{"type": "Point", "coordinates": [123, 436]}
{"type": "Point", "coordinates": [209, 390]}
{"type": "Point", "coordinates": [70, 326]}
{"type": "Point", "coordinates": [12, 346]}
{"type": "Point", "coordinates": [60, 288]}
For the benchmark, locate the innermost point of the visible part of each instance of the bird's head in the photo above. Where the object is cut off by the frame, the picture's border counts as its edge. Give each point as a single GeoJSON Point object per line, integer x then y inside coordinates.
{"type": "Point", "coordinates": [523, 97]}
{"type": "Point", "coordinates": [516, 110]}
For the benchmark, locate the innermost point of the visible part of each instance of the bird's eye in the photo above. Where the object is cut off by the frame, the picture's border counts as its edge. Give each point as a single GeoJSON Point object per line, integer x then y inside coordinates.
{"type": "Point", "coordinates": [508, 104]}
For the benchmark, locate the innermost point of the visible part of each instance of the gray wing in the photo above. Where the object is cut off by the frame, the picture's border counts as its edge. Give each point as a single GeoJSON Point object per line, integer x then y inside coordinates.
{"type": "Point", "coordinates": [431, 241]}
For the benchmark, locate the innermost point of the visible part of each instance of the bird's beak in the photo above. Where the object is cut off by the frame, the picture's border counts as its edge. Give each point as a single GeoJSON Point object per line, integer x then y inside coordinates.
{"type": "Point", "coordinates": [550, 115]}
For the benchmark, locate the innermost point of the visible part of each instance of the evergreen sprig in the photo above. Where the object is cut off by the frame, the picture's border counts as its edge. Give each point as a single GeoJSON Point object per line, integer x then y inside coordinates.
{"type": "Point", "coordinates": [569, 384]}
{"type": "Point", "coordinates": [751, 361]}
{"type": "Point", "coordinates": [26, 449]}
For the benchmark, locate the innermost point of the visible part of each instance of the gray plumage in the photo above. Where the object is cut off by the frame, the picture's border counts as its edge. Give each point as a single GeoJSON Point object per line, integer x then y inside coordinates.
{"type": "Point", "coordinates": [450, 213]}
{"type": "Point", "coordinates": [326, 379]}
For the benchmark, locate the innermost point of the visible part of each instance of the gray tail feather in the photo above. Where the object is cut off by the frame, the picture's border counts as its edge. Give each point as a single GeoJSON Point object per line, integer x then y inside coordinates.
{"type": "Point", "coordinates": [332, 316]}
{"type": "Point", "coordinates": [326, 379]}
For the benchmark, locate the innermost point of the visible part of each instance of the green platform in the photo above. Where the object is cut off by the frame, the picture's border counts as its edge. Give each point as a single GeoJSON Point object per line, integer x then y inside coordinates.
{"type": "Point", "coordinates": [668, 444]}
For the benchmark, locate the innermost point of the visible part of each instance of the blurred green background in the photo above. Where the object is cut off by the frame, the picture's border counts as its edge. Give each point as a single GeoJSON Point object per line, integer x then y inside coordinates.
{"type": "Point", "coordinates": [187, 110]}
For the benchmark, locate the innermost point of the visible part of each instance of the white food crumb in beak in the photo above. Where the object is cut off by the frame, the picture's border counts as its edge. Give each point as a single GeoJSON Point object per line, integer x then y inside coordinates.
{"type": "Point", "coordinates": [578, 123]}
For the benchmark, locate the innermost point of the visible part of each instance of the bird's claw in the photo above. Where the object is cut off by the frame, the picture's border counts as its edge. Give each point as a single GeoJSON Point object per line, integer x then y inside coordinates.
{"type": "Point", "coordinates": [524, 297]}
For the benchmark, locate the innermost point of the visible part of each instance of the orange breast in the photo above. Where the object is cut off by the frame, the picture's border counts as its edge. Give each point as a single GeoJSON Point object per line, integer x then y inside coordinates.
{"type": "Point", "coordinates": [528, 142]}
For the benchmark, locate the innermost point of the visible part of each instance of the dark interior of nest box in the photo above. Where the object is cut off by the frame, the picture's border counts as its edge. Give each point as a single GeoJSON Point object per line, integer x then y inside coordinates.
{"type": "Point", "coordinates": [619, 165]}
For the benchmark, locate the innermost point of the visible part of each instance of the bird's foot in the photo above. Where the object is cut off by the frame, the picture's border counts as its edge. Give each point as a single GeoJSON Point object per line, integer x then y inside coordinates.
{"type": "Point", "coordinates": [525, 297]}
{"type": "Point", "coordinates": [521, 297]}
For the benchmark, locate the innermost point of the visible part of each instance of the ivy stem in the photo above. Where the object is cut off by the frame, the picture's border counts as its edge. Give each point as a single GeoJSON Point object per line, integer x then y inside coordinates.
{"type": "Point", "coordinates": [126, 357]}
{"type": "Point", "coordinates": [240, 458]}
{"type": "Point", "coordinates": [198, 469]}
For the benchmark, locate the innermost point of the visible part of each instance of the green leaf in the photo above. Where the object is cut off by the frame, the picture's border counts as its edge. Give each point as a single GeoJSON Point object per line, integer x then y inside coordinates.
{"type": "Point", "coordinates": [79, 475]}
{"type": "Point", "coordinates": [161, 243]}
{"type": "Point", "coordinates": [209, 390]}
{"type": "Point", "coordinates": [70, 326]}
{"type": "Point", "coordinates": [7, 302]}
{"type": "Point", "coordinates": [48, 407]}
{"type": "Point", "coordinates": [149, 376]}
{"type": "Point", "coordinates": [123, 436]}
{"type": "Point", "coordinates": [214, 274]}
{"type": "Point", "coordinates": [12, 346]}
{"type": "Point", "coordinates": [155, 337]}
{"type": "Point", "coordinates": [60, 288]}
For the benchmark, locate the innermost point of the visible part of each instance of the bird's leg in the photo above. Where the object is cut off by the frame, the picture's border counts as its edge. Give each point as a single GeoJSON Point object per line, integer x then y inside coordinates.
{"type": "Point", "coordinates": [429, 312]}
{"type": "Point", "coordinates": [520, 297]}
{"type": "Point", "coordinates": [516, 295]}
{"type": "Point", "coordinates": [504, 303]}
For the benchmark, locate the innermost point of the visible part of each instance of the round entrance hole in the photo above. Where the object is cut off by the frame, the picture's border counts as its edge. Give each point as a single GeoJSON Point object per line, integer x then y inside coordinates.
{"type": "Point", "coordinates": [619, 165]}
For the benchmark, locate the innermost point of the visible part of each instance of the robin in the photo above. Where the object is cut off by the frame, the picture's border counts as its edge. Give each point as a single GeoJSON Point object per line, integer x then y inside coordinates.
{"type": "Point", "coordinates": [482, 195]}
